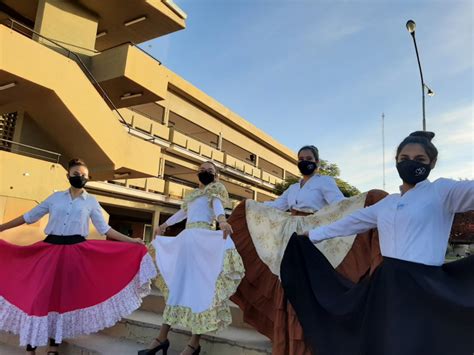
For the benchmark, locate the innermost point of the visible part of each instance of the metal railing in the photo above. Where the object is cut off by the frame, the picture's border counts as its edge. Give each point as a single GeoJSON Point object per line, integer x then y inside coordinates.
{"type": "Point", "coordinates": [144, 51]}
{"type": "Point", "coordinates": [6, 145]}
{"type": "Point", "coordinates": [21, 28]}
{"type": "Point", "coordinates": [133, 44]}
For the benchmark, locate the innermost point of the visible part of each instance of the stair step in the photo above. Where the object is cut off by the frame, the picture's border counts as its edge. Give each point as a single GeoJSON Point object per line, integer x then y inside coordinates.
{"type": "Point", "coordinates": [155, 303]}
{"type": "Point", "coordinates": [94, 344]}
{"type": "Point", "coordinates": [143, 326]}
{"type": "Point", "coordinates": [6, 349]}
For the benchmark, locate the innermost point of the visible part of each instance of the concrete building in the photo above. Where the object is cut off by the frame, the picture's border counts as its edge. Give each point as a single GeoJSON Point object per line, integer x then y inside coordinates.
{"type": "Point", "coordinates": [73, 83]}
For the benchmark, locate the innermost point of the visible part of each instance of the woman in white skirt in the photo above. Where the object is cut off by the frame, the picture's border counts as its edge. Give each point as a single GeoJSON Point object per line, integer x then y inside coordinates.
{"type": "Point", "coordinates": [199, 269]}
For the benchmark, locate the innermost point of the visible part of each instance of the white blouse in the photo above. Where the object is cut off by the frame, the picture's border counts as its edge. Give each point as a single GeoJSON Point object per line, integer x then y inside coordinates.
{"type": "Point", "coordinates": [198, 211]}
{"type": "Point", "coordinates": [317, 192]}
{"type": "Point", "coordinates": [69, 216]}
{"type": "Point", "coordinates": [414, 226]}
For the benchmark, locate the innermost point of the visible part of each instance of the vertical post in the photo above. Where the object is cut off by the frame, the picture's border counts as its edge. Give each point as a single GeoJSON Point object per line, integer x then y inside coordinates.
{"type": "Point", "coordinates": [219, 141]}
{"type": "Point", "coordinates": [422, 81]}
{"type": "Point", "coordinates": [383, 149]}
{"type": "Point", "coordinates": [156, 221]}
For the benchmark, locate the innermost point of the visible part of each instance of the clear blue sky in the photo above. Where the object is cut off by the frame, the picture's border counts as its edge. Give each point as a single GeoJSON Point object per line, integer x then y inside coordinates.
{"type": "Point", "coordinates": [322, 72]}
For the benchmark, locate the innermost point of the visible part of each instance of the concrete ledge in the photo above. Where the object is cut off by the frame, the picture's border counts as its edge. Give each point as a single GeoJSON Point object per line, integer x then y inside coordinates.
{"type": "Point", "coordinates": [143, 326]}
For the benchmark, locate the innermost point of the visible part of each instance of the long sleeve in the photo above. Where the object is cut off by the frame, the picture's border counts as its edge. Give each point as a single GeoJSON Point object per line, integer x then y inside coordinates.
{"type": "Point", "coordinates": [218, 207]}
{"type": "Point", "coordinates": [457, 196]}
{"type": "Point", "coordinates": [331, 192]}
{"type": "Point", "coordinates": [98, 219]}
{"type": "Point", "coordinates": [280, 203]}
{"type": "Point", "coordinates": [358, 222]}
{"type": "Point", "coordinates": [39, 211]}
{"type": "Point", "coordinates": [177, 217]}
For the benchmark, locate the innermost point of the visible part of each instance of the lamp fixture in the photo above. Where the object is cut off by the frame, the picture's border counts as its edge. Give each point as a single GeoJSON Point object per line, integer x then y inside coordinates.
{"type": "Point", "coordinates": [411, 25]}
{"type": "Point", "coordinates": [129, 95]}
{"type": "Point", "coordinates": [7, 86]}
{"type": "Point", "coordinates": [429, 92]}
{"type": "Point", "coordinates": [121, 175]}
{"type": "Point", "coordinates": [133, 22]}
{"type": "Point", "coordinates": [101, 34]}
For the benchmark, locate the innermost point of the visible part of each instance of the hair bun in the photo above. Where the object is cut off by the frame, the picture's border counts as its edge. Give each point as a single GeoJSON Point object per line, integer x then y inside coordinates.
{"type": "Point", "coordinates": [424, 134]}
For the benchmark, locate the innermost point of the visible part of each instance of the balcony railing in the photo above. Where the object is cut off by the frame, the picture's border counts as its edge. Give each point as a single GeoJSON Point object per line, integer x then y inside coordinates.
{"type": "Point", "coordinates": [176, 190]}
{"type": "Point", "coordinates": [195, 146]}
{"type": "Point", "coordinates": [28, 150]}
{"type": "Point", "coordinates": [153, 185]}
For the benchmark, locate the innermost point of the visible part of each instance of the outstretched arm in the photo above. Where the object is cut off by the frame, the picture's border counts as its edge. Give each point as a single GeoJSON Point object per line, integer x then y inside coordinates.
{"type": "Point", "coordinates": [103, 228]}
{"type": "Point", "coordinates": [176, 218]}
{"type": "Point", "coordinates": [357, 222]}
{"type": "Point", "coordinates": [30, 217]}
{"type": "Point", "coordinates": [280, 203]}
{"type": "Point", "coordinates": [12, 224]}
{"type": "Point", "coordinates": [331, 192]}
{"type": "Point", "coordinates": [219, 212]}
{"type": "Point", "coordinates": [113, 234]}
{"type": "Point", "coordinates": [458, 196]}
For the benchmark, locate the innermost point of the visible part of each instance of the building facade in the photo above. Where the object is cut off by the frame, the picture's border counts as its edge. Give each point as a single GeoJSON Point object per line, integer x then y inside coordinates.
{"type": "Point", "coordinates": [73, 83]}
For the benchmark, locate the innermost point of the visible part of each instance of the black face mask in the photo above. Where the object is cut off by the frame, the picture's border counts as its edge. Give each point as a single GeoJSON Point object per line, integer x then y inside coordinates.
{"type": "Point", "coordinates": [412, 172]}
{"type": "Point", "coordinates": [205, 177]}
{"type": "Point", "coordinates": [78, 181]}
{"type": "Point", "coordinates": [306, 167]}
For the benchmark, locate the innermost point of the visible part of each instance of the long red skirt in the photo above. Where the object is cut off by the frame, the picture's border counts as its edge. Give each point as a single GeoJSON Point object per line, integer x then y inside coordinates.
{"type": "Point", "coordinates": [64, 291]}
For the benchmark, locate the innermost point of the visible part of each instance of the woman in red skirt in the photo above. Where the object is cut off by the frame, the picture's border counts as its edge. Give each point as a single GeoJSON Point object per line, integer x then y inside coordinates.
{"type": "Point", "coordinates": [65, 286]}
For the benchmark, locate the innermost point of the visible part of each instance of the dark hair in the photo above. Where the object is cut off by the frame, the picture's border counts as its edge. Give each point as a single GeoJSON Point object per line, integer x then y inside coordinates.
{"type": "Point", "coordinates": [213, 164]}
{"type": "Point", "coordinates": [75, 162]}
{"type": "Point", "coordinates": [422, 138]}
{"type": "Point", "coordinates": [313, 150]}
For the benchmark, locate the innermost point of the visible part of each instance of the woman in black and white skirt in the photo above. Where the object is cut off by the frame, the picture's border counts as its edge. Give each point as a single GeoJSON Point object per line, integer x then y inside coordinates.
{"type": "Point", "coordinates": [413, 303]}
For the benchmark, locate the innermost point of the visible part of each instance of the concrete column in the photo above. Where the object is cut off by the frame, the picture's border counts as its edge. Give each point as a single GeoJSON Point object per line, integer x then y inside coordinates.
{"type": "Point", "coordinates": [161, 171]}
{"type": "Point", "coordinates": [166, 116]}
{"type": "Point", "coordinates": [156, 218]}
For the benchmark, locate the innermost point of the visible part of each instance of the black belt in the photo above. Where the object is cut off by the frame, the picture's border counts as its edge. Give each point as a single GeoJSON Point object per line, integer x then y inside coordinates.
{"type": "Point", "coordinates": [64, 239]}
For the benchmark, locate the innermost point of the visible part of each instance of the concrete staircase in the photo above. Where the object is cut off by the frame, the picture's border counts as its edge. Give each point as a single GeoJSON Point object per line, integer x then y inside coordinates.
{"type": "Point", "coordinates": [132, 333]}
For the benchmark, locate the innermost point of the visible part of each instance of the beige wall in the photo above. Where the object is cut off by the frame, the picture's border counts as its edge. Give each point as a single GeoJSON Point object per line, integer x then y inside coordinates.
{"type": "Point", "coordinates": [71, 108]}
{"type": "Point", "coordinates": [63, 112]}
{"type": "Point", "coordinates": [25, 182]}
{"type": "Point", "coordinates": [29, 132]}
{"type": "Point", "coordinates": [54, 16]}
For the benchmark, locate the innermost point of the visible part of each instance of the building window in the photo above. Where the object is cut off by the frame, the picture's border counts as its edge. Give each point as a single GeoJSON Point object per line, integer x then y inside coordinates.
{"type": "Point", "coordinates": [7, 129]}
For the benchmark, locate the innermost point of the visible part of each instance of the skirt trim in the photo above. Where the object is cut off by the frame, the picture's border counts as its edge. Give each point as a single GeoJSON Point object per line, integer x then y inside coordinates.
{"type": "Point", "coordinates": [218, 316]}
{"type": "Point", "coordinates": [36, 330]}
{"type": "Point", "coordinates": [260, 294]}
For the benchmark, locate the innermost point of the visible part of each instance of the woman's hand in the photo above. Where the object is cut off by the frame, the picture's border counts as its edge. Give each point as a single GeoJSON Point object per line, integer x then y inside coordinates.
{"type": "Point", "coordinates": [306, 234]}
{"type": "Point", "coordinates": [114, 235]}
{"type": "Point", "coordinates": [136, 241]}
{"type": "Point", "coordinates": [161, 229]}
{"type": "Point", "coordinates": [226, 228]}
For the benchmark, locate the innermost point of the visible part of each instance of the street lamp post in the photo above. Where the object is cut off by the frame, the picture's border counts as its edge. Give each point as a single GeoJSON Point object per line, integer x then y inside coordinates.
{"type": "Point", "coordinates": [383, 150]}
{"type": "Point", "coordinates": [411, 25]}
